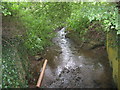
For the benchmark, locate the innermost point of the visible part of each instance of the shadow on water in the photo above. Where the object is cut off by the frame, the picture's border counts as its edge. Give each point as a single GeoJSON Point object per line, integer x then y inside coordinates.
{"type": "Point", "coordinates": [72, 67]}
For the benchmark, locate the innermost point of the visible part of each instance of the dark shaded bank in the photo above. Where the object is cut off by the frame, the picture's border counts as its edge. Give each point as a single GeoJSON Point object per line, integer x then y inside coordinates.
{"type": "Point", "coordinates": [91, 43]}
{"type": "Point", "coordinates": [91, 38]}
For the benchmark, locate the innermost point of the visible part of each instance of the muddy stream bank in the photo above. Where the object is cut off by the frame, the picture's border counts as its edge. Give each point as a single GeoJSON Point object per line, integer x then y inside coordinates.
{"type": "Point", "coordinates": [70, 66]}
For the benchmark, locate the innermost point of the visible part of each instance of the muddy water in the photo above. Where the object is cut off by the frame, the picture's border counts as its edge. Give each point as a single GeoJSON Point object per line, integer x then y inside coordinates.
{"type": "Point", "coordinates": [72, 67]}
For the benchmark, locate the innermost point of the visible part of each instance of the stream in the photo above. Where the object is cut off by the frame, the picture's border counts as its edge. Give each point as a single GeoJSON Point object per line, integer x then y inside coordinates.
{"type": "Point", "coordinates": [72, 67]}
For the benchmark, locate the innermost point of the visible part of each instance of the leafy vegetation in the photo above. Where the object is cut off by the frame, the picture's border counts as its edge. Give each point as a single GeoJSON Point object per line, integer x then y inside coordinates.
{"type": "Point", "coordinates": [12, 75]}
{"type": "Point", "coordinates": [40, 21]}
{"type": "Point", "coordinates": [84, 13]}
{"type": "Point", "coordinates": [41, 26]}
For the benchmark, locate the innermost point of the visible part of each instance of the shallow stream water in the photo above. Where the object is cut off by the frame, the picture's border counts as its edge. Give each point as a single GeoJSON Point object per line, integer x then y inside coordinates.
{"type": "Point", "coordinates": [72, 67]}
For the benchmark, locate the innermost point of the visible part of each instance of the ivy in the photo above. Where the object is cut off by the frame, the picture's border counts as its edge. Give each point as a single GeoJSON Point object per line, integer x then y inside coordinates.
{"type": "Point", "coordinates": [10, 72]}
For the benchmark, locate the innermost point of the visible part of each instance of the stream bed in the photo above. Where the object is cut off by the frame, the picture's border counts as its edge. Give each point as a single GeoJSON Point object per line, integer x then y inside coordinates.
{"type": "Point", "coordinates": [70, 66]}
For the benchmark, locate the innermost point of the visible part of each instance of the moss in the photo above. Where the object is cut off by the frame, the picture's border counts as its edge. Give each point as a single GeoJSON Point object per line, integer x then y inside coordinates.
{"type": "Point", "coordinates": [113, 56]}
{"type": "Point", "coordinates": [119, 62]}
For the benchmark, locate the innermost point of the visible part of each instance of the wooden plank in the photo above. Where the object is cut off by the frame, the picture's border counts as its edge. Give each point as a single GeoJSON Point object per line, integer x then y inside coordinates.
{"type": "Point", "coordinates": [42, 74]}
